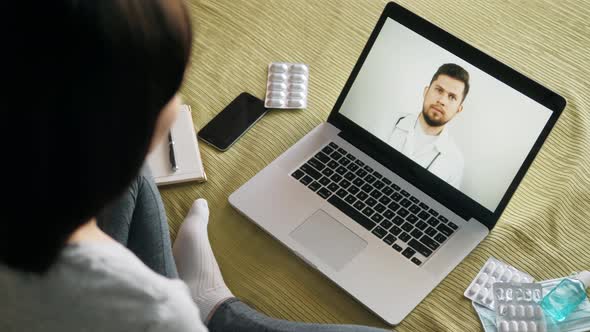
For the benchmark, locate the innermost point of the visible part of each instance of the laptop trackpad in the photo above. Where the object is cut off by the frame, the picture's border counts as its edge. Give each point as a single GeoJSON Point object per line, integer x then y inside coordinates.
{"type": "Point", "coordinates": [328, 239]}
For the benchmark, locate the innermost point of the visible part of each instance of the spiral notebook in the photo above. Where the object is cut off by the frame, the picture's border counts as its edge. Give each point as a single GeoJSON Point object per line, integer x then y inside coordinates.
{"type": "Point", "coordinates": [186, 152]}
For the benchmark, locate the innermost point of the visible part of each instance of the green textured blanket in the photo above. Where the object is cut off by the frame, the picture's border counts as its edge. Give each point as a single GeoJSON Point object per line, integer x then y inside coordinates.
{"type": "Point", "coordinates": [545, 229]}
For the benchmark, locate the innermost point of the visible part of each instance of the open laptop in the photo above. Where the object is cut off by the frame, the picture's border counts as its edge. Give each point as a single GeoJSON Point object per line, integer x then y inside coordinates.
{"type": "Point", "coordinates": [422, 151]}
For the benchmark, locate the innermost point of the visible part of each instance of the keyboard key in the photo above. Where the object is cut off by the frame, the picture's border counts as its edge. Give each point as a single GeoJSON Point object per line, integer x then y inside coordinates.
{"type": "Point", "coordinates": [433, 212]}
{"type": "Point", "coordinates": [370, 178]}
{"type": "Point", "coordinates": [416, 233]}
{"type": "Point", "coordinates": [341, 170]}
{"type": "Point", "coordinates": [350, 157]}
{"type": "Point", "coordinates": [333, 187]}
{"type": "Point", "coordinates": [332, 164]}
{"type": "Point", "coordinates": [405, 193]}
{"type": "Point", "coordinates": [358, 182]}
{"type": "Point", "coordinates": [393, 206]}
{"type": "Point", "coordinates": [442, 218]}
{"type": "Point", "coordinates": [445, 230]}
{"type": "Point", "coordinates": [424, 206]}
{"type": "Point", "coordinates": [396, 196]}
{"type": "Point", "coordinates": [342, 151]}
{"type": "Point", "coordinates": [336, 178]}
{"type": "Point", "coordinates": [430, 231]}
{"type": "Point", "coordinates": [378, 184]}
{"type": "Point", "coordinates": [314, 186]}
{"type": "Point", "coordinates": [380, 208]}
{"type": "Point", "coordinates": [368, 211]}
{"type": "Point", "coordinates": [433, 222]}
{"type": "Point", "coordinates": [352, 213]}
{"type": "Point", "coordinates": [407, 227]}
{"type": "Point", "coordinates": [416, 261]}
{"type": "Point", "coordinates": [412, 218]}
{"type": "Point", "coordinates": [371, 202]}
{"type": "Point", "coordinates": [341, 193]}
{"type": "Point", "coordinates": [395, 186]}
{"type": "Point", "coordinates": [327, 150]}
{"type": "Point", "coordinates": [387, 191]}
{"type": "Point", "coordinates": [419, 247]}
{"type": "Point", "coordinates": [405, 203]}
{"type": "Point", "coordinates": [414, 209]}
{"type": "Point", "coordinates": [388, 214]}
{"type": "Point", "coordinates": [335, 155]}
{"type": "Point", "coordinates": [408, 252]}
{"type": "Point", "coordinates": [327, 172]}
{"type": "Point", "coordinates": [423, 215]}
{"type": "Point", "coordinates": [352, 167]}
{"type": "Point", "coordinates": [324, 193]}
{"type": "Point", "coordinates": [377, 175]}
{"type": "Point", "coordinates": [414, 200]}
{"type": "Point", "coordinates": [360, 163]}
{"type": "Point", "coordinates": [405, 237]}
{"type": "Point", "coordinates": [395, 230]}
{"type": "Point", "coordinates": [333, 145]}
{"type": "Point", "coordinates": [359, 205]}
{"type": "Point", "coordinates": [298, 174]}
{"type": "Point", "coordinates": [453, 226]}
{"type": "Point", "coordinates": [380, 232]}
{"type": "Point", "coordinates": [384, 200]}
{"type": "Point", "coordinates": [440, 238]}
{"type": "Point", "coordinates": [353, 190]}
{"type": "Point", "coordinates": [344, 184]}
{"type": "Point", "coordinates": [349, 176]}
{"type": "Point", "coordinates": [398, 220]}
{"type": "Point", "coordinates": [325, 181]}
{"type": "Point", "coordinates": [316, 164]}
{"type": "Point", "coordinates": [376, 194]}
{"type": "Point", "coordinates": [361, 173]}
{"type": "Point", "coordinates": [430, 243]}
{"type": "Point", "coordinates": [377, 218]}
{"type": "Point", "coordinates": [403, 212]}
{"type": "Point", "coordinates": [386, 224]}
{"type": "Point", "coordinates": [421, 225]}
{"type": "Point", "coordinates": [367, 188]}
{"type": "Point", "coordinates": [362, 195]}
{"type": "Point", "coordinates": [368, 168]}
{"type": "Point", "coordinates": [306, 180]}
{"type": "Point", "coordinates": [322, 157]}
{"type": "Point", "coordinates": [309, 170]}
{"type": "Point", "coordinates": [350, 199]}
{"type": "Point", "coordinates": [386, 181]}
{"type": "Point", "coordinates": [397, 247]}
{"type": "Point", "coordinates": [389, 239]}
{"type": "Point", "coordinates": [344, 161]}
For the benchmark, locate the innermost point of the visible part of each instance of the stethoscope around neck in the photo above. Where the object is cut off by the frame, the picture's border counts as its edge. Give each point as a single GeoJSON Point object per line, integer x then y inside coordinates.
{"type": "Point", "coordinates": [433, 159]}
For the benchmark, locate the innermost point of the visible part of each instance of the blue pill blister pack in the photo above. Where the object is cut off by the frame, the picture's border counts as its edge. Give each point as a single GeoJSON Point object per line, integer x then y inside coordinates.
{"type": "Point", "coordinates": [286, 85]}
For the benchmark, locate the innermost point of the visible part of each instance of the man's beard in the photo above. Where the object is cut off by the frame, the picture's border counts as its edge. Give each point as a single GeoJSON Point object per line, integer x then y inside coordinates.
{"type": "Point", "coordinates": [430, 121]}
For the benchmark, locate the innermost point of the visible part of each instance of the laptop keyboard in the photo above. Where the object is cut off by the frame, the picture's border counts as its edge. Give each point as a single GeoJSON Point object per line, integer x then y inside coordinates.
{"type": "Point", "coordinates": [390, 213]}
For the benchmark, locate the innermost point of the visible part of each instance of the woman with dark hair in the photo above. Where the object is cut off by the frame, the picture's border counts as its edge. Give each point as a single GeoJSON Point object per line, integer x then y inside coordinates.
{"type": "Point", "coordinates": [101, 258]}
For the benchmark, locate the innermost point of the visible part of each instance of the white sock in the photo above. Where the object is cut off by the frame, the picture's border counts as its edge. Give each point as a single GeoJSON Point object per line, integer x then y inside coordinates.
{"type": "Point", "coordinates": [196, 263]}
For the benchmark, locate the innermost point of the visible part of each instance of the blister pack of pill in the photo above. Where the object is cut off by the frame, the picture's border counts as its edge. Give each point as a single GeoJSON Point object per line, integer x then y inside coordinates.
{"type": "Point", "coordinates": [518, 307]}
{"type": "Point", "coordinates": [480, 289]}
{"type": "Point", "coordinates": [286, 85]}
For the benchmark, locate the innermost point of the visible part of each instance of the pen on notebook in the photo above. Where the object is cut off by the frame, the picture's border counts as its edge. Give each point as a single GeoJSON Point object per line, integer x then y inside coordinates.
{"type": "Point", "coordinates": [172, 156]}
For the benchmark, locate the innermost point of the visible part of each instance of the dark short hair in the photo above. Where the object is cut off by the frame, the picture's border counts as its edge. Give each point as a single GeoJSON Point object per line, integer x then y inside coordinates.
{"type": "Point", "coordinates": [454, 71]}
{"type": "Point", "coordinates": [111, 68]}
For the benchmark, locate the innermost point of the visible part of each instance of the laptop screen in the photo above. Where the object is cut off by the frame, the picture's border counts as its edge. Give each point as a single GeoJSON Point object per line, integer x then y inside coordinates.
{"type": "Point", "coordinates": [453, 119]}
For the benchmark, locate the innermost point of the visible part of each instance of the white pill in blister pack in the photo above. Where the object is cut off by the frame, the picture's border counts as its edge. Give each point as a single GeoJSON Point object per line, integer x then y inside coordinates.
{"type": "Point", "coordinates": [480, 289]}
{"type": "Point", "coordinates": [518, 307]}
{"type": "Point", "coordinates": [286, 85]}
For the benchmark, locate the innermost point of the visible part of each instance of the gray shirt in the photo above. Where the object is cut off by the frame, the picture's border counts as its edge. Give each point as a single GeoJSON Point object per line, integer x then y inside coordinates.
{"type": "Point", "coordinates": [96, 287]}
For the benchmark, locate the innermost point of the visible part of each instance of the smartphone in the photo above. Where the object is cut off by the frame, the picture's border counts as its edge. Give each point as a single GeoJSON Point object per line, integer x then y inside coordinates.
{"type": "Point", "coordinates": [233, 121]}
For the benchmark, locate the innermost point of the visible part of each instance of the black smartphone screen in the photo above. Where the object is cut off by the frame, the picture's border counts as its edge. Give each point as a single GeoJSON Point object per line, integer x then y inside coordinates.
{"type": "Point", "coordinates": [233, 121]}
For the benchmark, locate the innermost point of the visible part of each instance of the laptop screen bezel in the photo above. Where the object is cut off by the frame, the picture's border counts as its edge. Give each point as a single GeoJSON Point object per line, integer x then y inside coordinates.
{"type": "Point", "coordinates": [435, 187]}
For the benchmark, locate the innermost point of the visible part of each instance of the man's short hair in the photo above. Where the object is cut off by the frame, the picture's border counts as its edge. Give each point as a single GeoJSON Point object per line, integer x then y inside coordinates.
{"type": "Point", "coordinates": [108, 71]}
{"type": "Point", "coordinates": [454, 71]}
